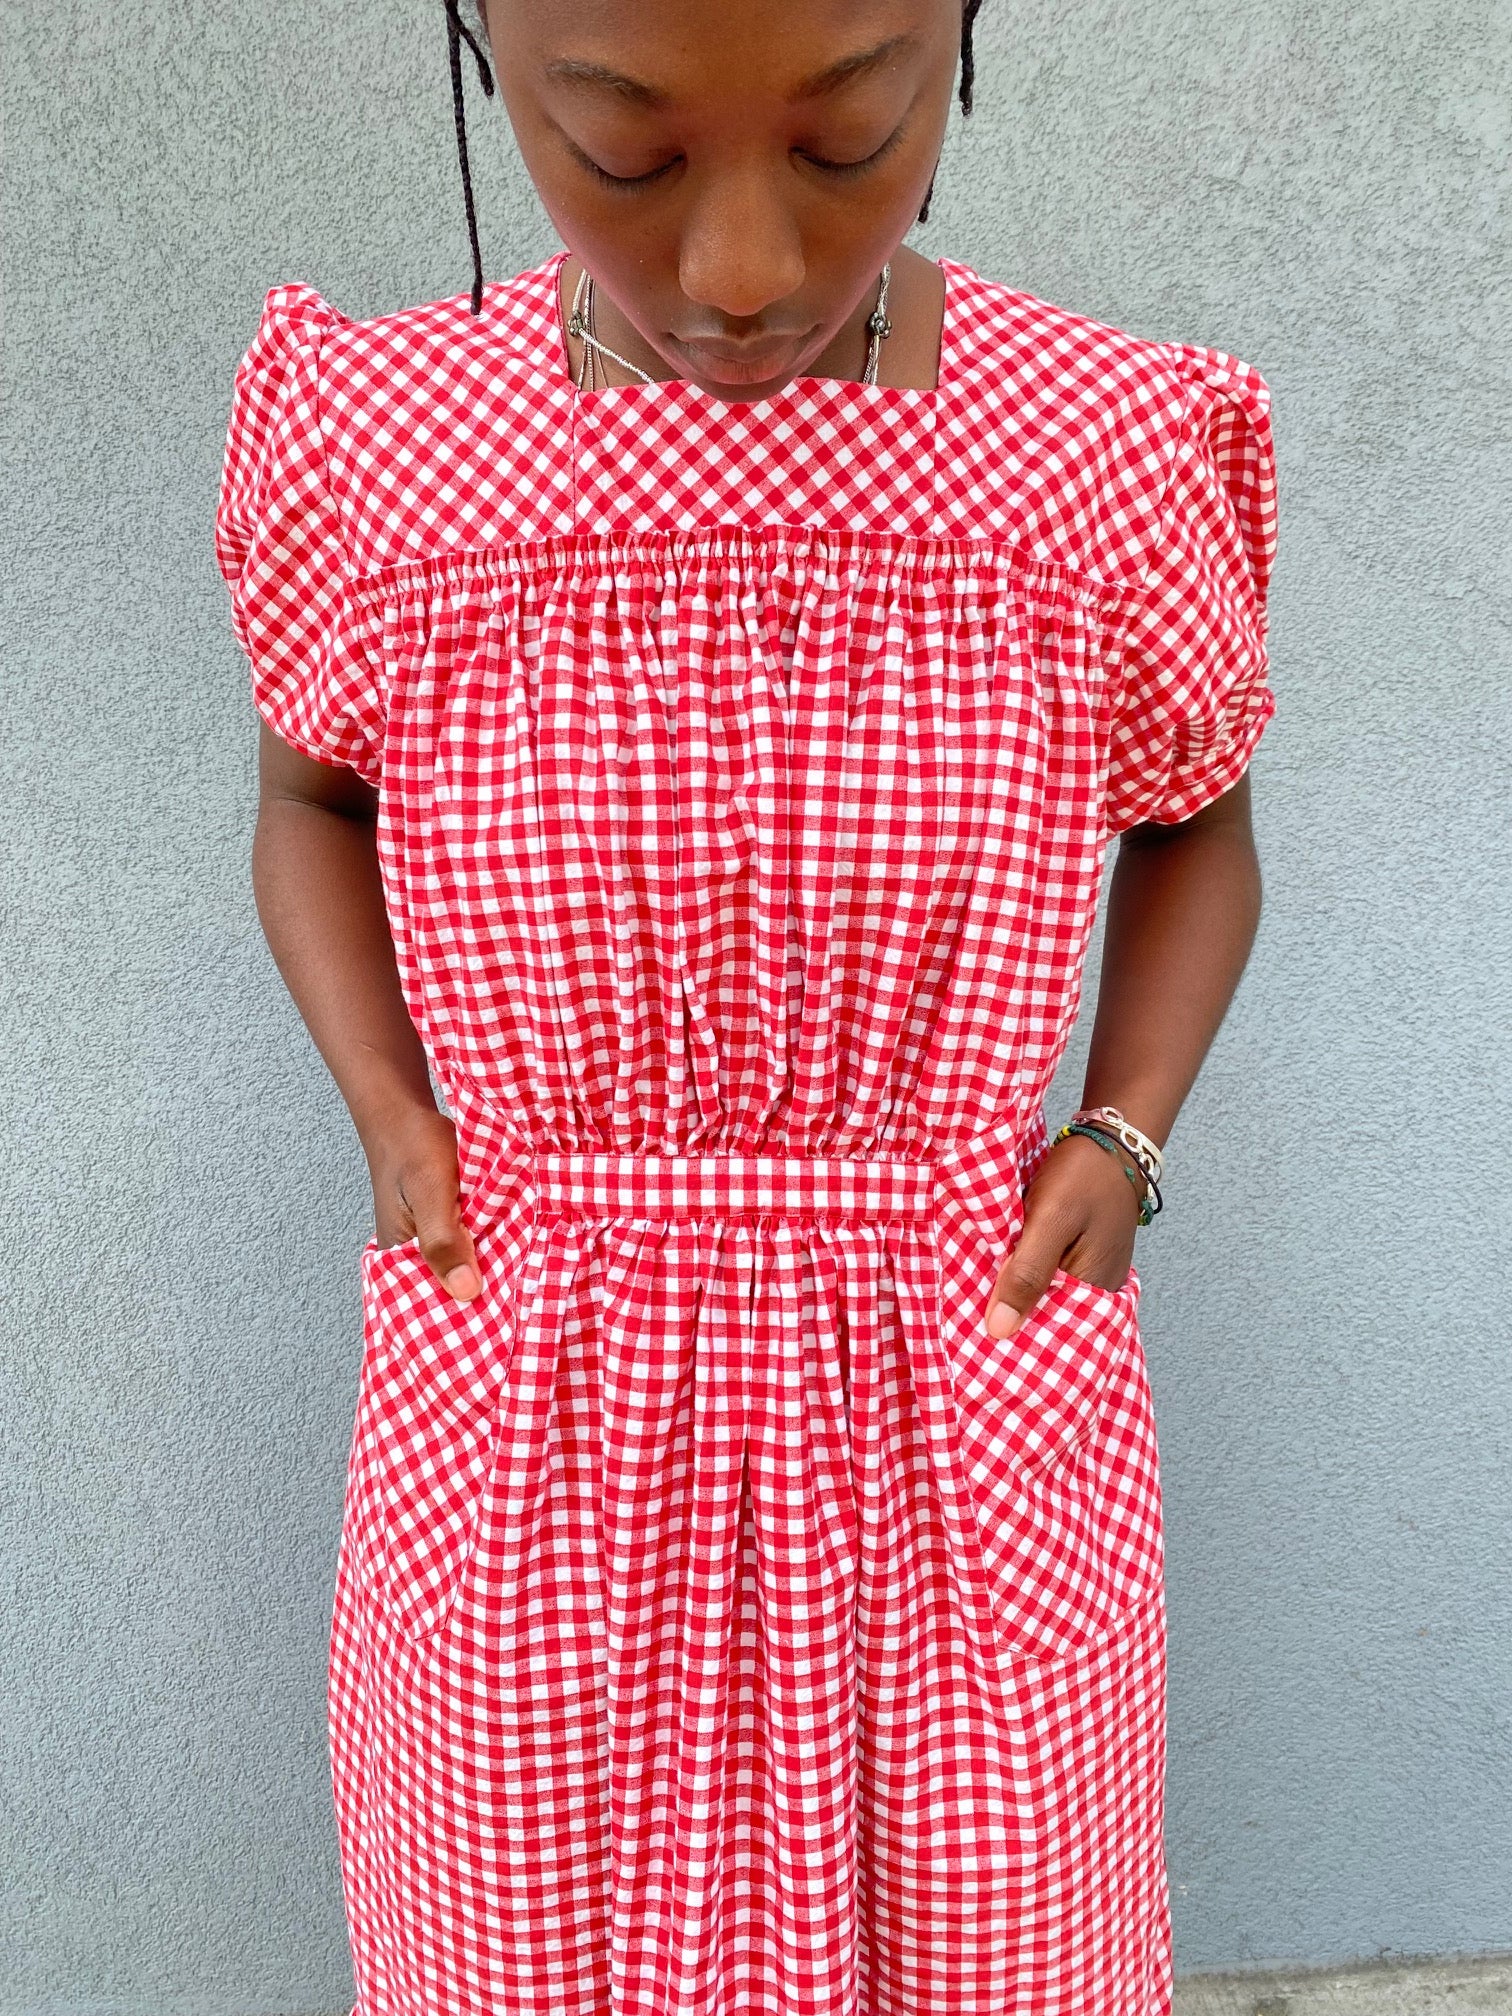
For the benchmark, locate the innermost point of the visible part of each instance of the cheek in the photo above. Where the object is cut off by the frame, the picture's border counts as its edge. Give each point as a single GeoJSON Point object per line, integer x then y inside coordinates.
{"type": "Point", "coordinates": [634, 262]}
{"type": "Point", "coordinates": [630, 251]}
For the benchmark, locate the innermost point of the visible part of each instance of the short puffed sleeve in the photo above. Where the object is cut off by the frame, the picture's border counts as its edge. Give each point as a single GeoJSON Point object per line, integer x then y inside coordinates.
{"type": "Point", "coordinates": [279, 544]}
{"type": "Point", "coordinates": [1192, 686]}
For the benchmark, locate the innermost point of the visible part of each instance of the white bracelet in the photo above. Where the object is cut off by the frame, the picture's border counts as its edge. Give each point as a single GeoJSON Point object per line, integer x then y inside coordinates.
{"type": "Point", "coordinates": [1140, 1146]}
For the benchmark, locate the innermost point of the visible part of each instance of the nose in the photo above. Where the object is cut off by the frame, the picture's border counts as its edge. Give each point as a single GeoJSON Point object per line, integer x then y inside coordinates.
{"type": "Point", "coordinates": [741, 249]}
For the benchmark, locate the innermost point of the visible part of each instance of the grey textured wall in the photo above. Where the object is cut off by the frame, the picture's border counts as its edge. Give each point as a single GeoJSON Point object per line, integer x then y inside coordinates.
{"type": "Point", "coordinates": [1322, 189]}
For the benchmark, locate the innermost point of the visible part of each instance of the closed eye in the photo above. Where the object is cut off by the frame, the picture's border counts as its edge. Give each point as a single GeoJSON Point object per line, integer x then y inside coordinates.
{"type": "Point", "coordinates": [837, 168]}
{"type": "Point", "coordinates": [858, 167]}
{"type": "Point", "coordinates": [619, 181]}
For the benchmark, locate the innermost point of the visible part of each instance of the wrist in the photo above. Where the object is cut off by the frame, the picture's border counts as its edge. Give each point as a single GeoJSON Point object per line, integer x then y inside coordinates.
{"type": "Point", "coordinates": [1137, 1157]}
{"type": "Point", "coordinates": [1114, 1123]}
{"type": "Point", "coordinates": [1143, 1108]}
{"type": "Point", "coordinates": [386, 1104]}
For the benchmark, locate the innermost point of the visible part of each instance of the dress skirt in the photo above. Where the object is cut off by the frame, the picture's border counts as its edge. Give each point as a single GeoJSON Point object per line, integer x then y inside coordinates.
{"type": "Point", "coordinates": [726, 1622]}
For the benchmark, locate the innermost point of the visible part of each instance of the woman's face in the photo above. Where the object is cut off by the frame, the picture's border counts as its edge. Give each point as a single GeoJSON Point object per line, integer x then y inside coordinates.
{"type": "Point", "coordinates": [733, 176]}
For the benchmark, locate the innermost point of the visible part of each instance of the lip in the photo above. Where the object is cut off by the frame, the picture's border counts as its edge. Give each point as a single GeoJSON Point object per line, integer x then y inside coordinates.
{"type": "Point", "coordinates": [742, 364]}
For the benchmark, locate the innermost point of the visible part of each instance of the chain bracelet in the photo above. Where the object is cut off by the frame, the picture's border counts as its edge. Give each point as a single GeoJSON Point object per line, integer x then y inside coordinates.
{"type": "Point", "coordinates": [1140, 1146]}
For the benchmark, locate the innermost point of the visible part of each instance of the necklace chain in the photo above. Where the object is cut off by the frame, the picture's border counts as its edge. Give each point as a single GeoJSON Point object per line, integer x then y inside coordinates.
{"type": "Point", "coordinates": [581, 324]}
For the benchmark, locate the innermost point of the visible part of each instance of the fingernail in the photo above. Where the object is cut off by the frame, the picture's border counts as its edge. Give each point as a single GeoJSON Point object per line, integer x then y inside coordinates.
{"type": "Point", "coordinates": [1002, 1321]}
{"type": "Point", "coordinates": [462, 1282]}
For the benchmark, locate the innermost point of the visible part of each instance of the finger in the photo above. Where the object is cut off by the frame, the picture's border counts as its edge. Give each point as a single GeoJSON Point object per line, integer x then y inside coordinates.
{"type": "Point", "coordinates": [1026, 1273]}
{"type": "Point", "coordinates": [446, 1244]}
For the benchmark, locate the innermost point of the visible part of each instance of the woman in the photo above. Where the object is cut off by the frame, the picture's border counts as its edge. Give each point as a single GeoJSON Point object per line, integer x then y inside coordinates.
{"type": "Point", "coordinates": [700, 679]}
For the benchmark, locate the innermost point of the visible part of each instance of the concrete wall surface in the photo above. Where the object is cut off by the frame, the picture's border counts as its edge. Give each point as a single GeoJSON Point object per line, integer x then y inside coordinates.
{"type": "Point", "coordinates": [1322, 189]}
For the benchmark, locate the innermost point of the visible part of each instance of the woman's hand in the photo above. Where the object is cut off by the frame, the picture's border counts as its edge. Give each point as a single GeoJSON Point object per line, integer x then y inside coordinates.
{"type": "Point", "coordinates": [417, 1195]}
{"type": "Point", "coordinates": [1081, 1212]}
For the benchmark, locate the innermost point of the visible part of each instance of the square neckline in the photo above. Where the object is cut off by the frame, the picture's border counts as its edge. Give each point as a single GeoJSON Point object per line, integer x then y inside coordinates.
{"type": "Point", "coordinates": [804, 385]}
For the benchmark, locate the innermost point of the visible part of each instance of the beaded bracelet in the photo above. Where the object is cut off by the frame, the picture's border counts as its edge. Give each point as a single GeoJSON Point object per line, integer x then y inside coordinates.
{"type": "Point", "coordinates": [1114, 1148]}
{"type": "Point", "coordinates": [1151, 1186]}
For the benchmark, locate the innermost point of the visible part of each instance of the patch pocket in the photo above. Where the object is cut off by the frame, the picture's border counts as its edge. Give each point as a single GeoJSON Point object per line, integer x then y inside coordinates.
{"type": "Point", "coordinates": [433, 1373]}
{"type": "Point", "coordinates": [1029, 1400]}
{"type": "Point", "coordinates": [1053, 1427]}
{"type": "Point", "coordinates": [1033, 1399]}
{"type": "Point", "coordinates": [1057, 1439]}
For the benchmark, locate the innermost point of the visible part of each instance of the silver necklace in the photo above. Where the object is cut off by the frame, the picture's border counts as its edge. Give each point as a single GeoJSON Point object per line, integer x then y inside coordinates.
{"type": "Point", "coordinates": [580, 324]}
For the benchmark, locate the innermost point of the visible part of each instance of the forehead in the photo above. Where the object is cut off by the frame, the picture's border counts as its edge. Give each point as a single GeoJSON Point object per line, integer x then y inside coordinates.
{"type": "Point", "coordinates": [662, 54]}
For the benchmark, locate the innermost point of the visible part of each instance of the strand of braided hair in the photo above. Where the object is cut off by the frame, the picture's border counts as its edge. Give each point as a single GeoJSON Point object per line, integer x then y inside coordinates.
{"type": "Point", "coordinates": [458, 32]}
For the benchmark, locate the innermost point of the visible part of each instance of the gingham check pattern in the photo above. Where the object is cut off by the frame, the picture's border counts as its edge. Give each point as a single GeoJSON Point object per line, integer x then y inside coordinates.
{"type": "Point", "coordinates": [723, 1622]}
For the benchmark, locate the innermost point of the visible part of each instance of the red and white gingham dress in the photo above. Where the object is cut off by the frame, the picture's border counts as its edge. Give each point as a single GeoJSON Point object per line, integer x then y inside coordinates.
{"type": "Point", "coordinates": [725, 1625]}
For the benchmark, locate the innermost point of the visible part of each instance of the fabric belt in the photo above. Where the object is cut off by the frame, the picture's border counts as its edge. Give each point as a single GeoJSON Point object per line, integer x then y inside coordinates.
{"type": "Point", "coordinates": [684, 1186]}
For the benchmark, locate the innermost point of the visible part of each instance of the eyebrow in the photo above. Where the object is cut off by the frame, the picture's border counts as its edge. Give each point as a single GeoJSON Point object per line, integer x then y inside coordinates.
{"type": "Point", "coordinates": [569, 70]}
{"type": "Point", "coordinates": [841, 73]}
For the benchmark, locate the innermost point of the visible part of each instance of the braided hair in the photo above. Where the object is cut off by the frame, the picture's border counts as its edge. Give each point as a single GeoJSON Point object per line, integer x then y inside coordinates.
{"type": "Point", "coordinates": [457, 32]}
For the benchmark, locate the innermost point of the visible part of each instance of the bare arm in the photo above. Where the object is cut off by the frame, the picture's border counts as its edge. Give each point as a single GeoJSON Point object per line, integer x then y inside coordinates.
{"type": "Point", "coordinates": [1183, 909]}
{"type": "Point", "coordinates": [320, 902]}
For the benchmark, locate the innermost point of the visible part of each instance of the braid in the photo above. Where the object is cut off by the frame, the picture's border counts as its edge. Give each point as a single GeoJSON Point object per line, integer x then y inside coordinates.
{"type": "Point", "coordinates": [969, 11]}
{"type": "Point", "coordinates": [457, 34]}
{"type": "Point", "coordinates": [968, 52]}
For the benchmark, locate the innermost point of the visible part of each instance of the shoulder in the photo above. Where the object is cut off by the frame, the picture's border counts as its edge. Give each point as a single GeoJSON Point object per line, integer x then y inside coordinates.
{"type": "Point", "coordinates": [1074, 428]}
{"type": "Point", "coordinates": [431, 426]}
{"type": "Point", "coordinates": [374, 353]}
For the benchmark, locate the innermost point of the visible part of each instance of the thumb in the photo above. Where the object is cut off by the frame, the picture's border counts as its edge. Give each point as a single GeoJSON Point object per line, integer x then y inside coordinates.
{"type": "Point", "coordinates": [446, 1244]}
{"type": "Point", "coordinates": [1025, 1275]}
